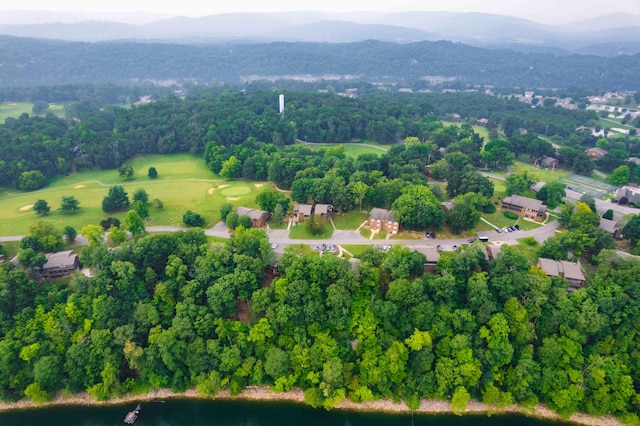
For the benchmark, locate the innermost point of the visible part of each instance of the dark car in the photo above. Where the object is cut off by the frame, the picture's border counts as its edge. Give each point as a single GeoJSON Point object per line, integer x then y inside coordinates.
{"type": "Point", "coordinates": [517, 227]}
{"type": "Point", "coordinates": [455, 247]}
{"type": "Point", "coordinates": [498, 230]}
{"type": "Point", "coordinates": [472, 240]}
{"type": "Point", "coordinates": [439, 247]}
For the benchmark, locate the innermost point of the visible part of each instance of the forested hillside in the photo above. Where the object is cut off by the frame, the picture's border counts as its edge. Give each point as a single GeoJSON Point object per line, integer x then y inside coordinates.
{"type": "Point", "coordinates": [106, 137]}
{"type": "Point", "coordinates": [29, 62]}
{"type": "Point", "coordinates": [171, 311]}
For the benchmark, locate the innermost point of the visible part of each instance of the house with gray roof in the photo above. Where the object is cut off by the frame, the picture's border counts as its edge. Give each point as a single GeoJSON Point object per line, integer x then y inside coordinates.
{"type": "Point", "coordinates": [527, 207]}
{"type": "Point", "coordinates": [323, 210]}
{"type": "Point", "coordinates": [301, 212]}
{"type": "Point", "coordinates": [383, 219]}
{"type": "Point", "coordinates": [258, 217]}
{"type": "Point", "coordinates": [570, 271]}
{"type": "Point", "coordinates": [60, 264]}
{"type": "Point", "coordinates": [630, 193]}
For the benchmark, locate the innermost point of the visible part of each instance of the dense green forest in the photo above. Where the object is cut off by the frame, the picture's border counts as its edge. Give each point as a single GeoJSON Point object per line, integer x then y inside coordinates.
{"type": "Point", "coordinates": [95, 135]}
{"type": "Point", "coordinates": [172, 311]}
{"type": "Point", "coordinates": [33, 62]}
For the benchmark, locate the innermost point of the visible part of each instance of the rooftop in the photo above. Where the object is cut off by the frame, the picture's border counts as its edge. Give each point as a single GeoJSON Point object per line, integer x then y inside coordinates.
{"type": "Point", "coordinates": [382, 214]}
{"type": "Point", "coordinates": [528, 203]}
{"type": "Point", "coordinates": [61, 259]}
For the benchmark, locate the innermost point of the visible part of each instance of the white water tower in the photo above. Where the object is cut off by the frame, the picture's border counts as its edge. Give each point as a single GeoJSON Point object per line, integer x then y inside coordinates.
{"type": "Point", "coordinates": [281, 104]}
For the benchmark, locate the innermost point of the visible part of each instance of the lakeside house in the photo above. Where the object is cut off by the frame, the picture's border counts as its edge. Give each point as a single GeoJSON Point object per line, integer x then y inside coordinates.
{"type": "Point", "coordinates": [383, 219]}
{"type": "Point", "coordinates": [60, 264]}
{"type": "Point", "coordinates": [527, 207]}
{"type": "Point", "coordinates": [570, 271]}
{"type": "Point", "coordinates": [258, 217]}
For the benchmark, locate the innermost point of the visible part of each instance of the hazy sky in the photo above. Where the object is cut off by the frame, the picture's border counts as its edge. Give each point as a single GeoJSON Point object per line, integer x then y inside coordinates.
{"type": "Point", "coordinates": [549, 11]}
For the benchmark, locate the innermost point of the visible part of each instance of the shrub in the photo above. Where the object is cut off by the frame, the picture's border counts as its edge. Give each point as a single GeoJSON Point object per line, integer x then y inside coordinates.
{"type": "Point", "coordinates": [31, 180]}
{"type": "Point", "coordinates": [109, 223]}
{"type": "Point", "coordinates": [231, 220]}
{"type": "Point", "coordinates": [530, 241]}
{"type": "Point", "coordinates": [191, 218]}
{"type": "Point", "coordinates": [489, 209]}
{"type": "Point", "coordinates": [152, 173]}
{"type": "Point", "coordinates": [510, 215]}
{"type": "Point", "coordinates": [157, 204]}
{"type": "Point", "coordinates": [244, 221]}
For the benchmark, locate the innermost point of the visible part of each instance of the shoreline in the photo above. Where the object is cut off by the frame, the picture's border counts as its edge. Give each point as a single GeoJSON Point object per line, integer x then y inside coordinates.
{"type": "Point", "coordinates": [263, 393]}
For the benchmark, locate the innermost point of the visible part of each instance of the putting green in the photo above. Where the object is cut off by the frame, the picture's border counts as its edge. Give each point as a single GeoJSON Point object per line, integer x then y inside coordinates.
{"type": "Point", "coordinates": [235, 190]}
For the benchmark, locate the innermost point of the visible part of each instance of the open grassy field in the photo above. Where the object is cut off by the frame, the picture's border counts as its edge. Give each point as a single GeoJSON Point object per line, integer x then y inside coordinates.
{"type": "Point", "coordinates": [482, 131]}
{"type": "Point", "coordinates": [299, 232]}
{"type": "Point", "coordinates": [350, 220]}
{"type": "Point", "coordinates": [14, 109]}
{"type": "Point", "coordinates": [184, 183]}
{"type": "Point", "coordinates": [539, 174]}
{"type": "Point", "coordinates": [353, 149]}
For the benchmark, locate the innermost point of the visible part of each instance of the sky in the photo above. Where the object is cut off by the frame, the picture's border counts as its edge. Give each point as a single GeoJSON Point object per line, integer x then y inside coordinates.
{"type": "Point", "coordinates": [546, 11]}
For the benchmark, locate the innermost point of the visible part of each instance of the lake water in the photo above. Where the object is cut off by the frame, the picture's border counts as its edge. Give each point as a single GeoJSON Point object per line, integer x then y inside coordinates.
{"type": "Point", "coordinates": [243, 413]}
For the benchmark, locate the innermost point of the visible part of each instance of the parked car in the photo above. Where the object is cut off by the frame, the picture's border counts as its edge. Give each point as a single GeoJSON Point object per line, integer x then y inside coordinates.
{"type": "Point", "coordinates": [517, 226]}
{"type": "Point", "coordinates": [455, 247]}
{"type": "Point", "coordinates": [439, 247]}
{"type": "Point", "coordinates": [498, 230]}
{"type": "Point", "coordinates": [472, 240]}
{"type": "Point", "coordinates": [274, 246]}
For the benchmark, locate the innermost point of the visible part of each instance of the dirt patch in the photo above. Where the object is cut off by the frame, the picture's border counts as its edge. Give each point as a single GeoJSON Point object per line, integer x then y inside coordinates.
{"type": "Point", "coordinates": [78, 186]}
{"type": "Point", "coordinates": [27, 207]}
{"type": "Point", "coordinates": [258, 185]}
{"type": "Point", "coordinates": [210, 191]}
{"type": "Point", "coordinates": [223, 186]}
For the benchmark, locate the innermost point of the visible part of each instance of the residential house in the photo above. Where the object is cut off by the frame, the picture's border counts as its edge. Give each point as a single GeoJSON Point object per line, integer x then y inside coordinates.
{"type": "Point", "coordinates": [527, 207]}
{"type": "Point", "coordinates": [570, 271]}
{"type": "Point", "coordinates": [482, 122]}
{"type": "Point", "coordinates": [610, 226]}
{"type": "Point", "coordinates": [596, 153]}
{"type": "Point", "coordinates": [323, 210]}
{"type": "Point", "coordinates": [60, 264]}
{"type": "Point", "coordinates": [382, 219]}
{"type": "Point", "coordinates": [634, 160]}
{"type": "Point", "coordinates": [538, 186]}
{"type": "Point", "coordinates": [549, 163]}
{"type": "Point", "coordinates": [432, 257]}
{"type": "Point", "coordinates": [258, 217]}
{"type": "Point", "coordinates": [629, 193]}
{"type": "Point", "coordinates": [493, 250]}
{"type": "Point", "coordinates": [447, 206]}
{"type": "Point", "coordinates": [456, 118]}
{"type": "Point", "coordinates": [301, 212]}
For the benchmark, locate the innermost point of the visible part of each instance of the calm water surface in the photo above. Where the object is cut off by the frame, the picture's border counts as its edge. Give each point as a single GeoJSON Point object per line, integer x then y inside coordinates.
{"type": "Point", "coordinates": [243, 413]}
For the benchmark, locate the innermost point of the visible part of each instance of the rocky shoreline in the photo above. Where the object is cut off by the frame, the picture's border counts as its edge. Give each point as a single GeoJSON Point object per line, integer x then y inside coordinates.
{"type": "Point", "coordinates": [262, 393]}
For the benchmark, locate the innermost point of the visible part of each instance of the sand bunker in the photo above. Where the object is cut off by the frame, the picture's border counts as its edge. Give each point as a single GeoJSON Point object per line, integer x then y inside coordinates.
{"type": "Point", "coordinates": [233, 198]}
{"type": "Point", "coordinates": [210, 191]}
{"type": "Point", "coordinates": [79, 186]}
{"type": "Point", "coordinates": [27, 207]}
{"type": "Point", "coordinates": [258, 185]}
{"type": "Point", "coordinates": [223, 186]}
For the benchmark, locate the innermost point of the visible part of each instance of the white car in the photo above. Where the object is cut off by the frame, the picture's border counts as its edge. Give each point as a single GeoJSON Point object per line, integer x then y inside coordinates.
{"type": "Point", "coordinates": [274, 246]}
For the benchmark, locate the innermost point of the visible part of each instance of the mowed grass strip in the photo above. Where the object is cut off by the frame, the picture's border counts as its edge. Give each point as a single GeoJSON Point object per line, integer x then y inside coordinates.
{"type": "Point", "coordinates": [184, 183]}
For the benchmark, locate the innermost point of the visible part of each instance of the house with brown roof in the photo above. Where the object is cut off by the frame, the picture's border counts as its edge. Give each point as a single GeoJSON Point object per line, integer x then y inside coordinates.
{"type": "Point", "coordinates": [258, 217]}
{"type": "Point", "coordinates": [596, 153]}
{"type": "Point", "coordinates": [549, 162]}
{"type": "Point", "coordinates": [493, 250]}
{"type": "Point", "coordinates": [324, 211]}
{"type": "Point", "coordinates": [383, 219]}
{"type": "Point", "coordinates": [527, 207]}
{"type": "Point", "coordinates": [301, 212]}
{"type": "Point", "coordinates": [60, 264]}
{"type": "Point", "coordinates": [482, 122]}
{"type": "Point", "coordinates": [570, 271]}
{"type": "Point", "coordinates": [432, 257]}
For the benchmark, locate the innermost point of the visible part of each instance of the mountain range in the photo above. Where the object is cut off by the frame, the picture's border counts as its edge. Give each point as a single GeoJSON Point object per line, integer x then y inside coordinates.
{"type": "Point", "coordinates": [609, 35]}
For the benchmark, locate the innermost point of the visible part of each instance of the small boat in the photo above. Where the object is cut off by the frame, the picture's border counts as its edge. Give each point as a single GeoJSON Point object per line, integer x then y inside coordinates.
{"type": "Point", "coordinates": [132, 416]}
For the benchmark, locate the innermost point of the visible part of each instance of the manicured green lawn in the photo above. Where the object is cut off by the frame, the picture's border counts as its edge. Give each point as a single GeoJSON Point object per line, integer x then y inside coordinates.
{"type": "Point", "coordinates": [14, 109]}
{"type": "Point", "coordinates": [355, 249]}
{"type": "Point", "coordinates": [300, 232]}
{"type": "Point", "coordinates": [350, 220]}
{"type": "Point", "coordinates": [184, 183]}
{"type": "Point", "coordinates": [303, 249]}
{"type": "Point", "coordinates": [539, 174]}
{"type": "Point", "coordinates": [353, 149]}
